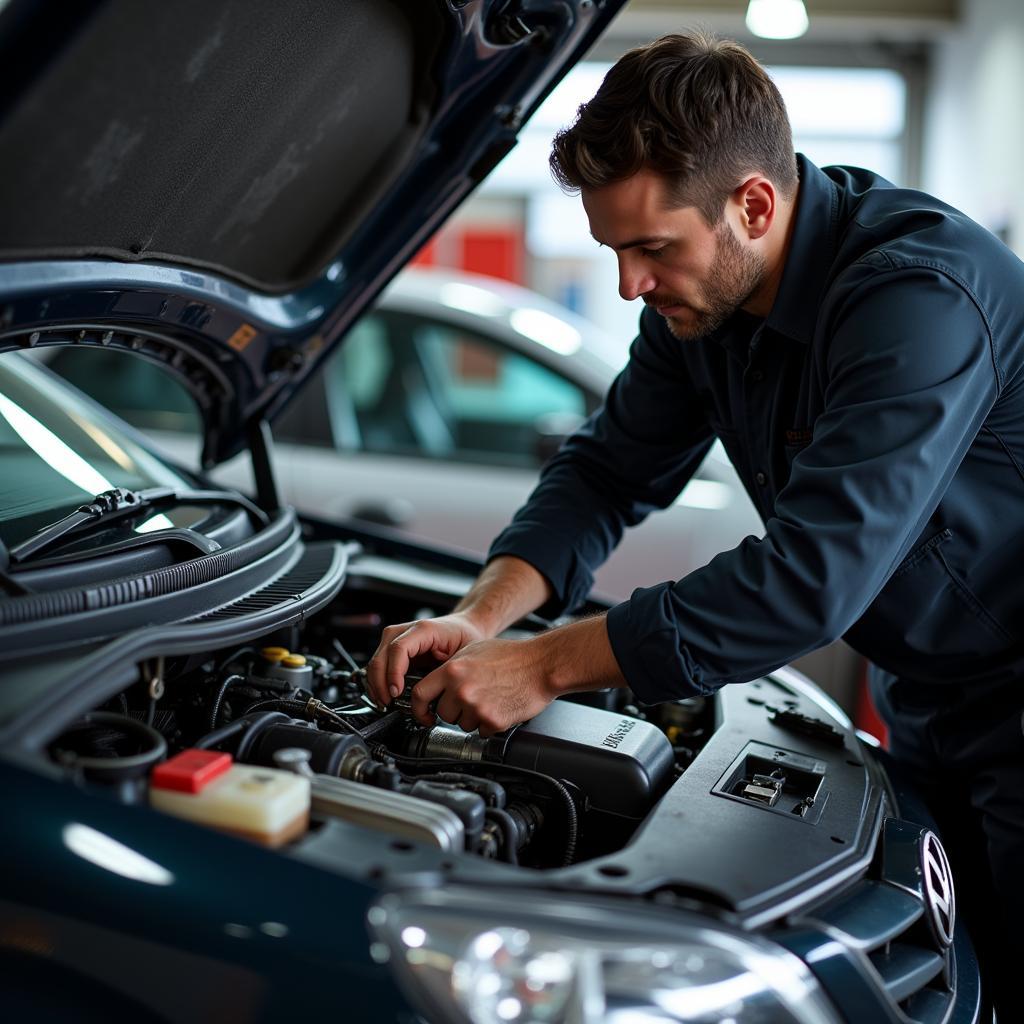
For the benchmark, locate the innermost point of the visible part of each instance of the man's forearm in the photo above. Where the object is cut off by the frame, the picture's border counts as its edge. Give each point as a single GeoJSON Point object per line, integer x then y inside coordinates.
{"type": "Point", "coordinates": [579, 657]}
{"type": "Point", "coordinates": [506, 590]}
{"type": "Point", "coordinates": [575, 657]}
{"type": "Point", "coordinates": [491, 685]}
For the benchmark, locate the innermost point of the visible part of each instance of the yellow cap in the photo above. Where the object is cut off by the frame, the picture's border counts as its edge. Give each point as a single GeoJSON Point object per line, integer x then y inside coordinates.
{"type": "Point", "coordinates": [293, 661]}
{"type": "Point", "coordinates": [274, 653]}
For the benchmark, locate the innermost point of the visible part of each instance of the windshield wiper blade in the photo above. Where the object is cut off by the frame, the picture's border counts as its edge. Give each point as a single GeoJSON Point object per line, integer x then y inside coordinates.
{"type": "Point", "coordinates": [118, 502]}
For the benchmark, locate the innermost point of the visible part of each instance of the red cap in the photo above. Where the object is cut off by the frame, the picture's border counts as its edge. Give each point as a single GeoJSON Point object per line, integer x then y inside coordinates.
{"type": "Point", "coordinates": [190, 771]}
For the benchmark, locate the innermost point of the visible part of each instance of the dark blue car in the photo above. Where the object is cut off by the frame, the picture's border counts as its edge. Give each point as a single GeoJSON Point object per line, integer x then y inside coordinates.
{"type": "Point", "coordinates": [205, 818]}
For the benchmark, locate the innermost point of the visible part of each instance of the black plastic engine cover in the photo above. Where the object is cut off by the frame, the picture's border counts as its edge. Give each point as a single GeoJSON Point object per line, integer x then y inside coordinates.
{"type": "Point", "coordinates": [621, 764]}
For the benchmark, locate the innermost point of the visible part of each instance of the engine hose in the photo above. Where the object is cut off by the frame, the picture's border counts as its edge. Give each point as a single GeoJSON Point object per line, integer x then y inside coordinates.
{"type": "Point", "coordinates": [502, 820]}
{"type": "Point", "coordinates": [415, 764]}
{"type": "Point", "coordinates": [247, 724]}
{"type": "Point", "coordinates": [229, 682]}
{"type": "Point", "coordinates": [236, 653]}
{"type": "Point", "coordinates": [386, 723]}
{"type": "Point", "coordinates": [311, 710]}
{"type": "Point", "coordinates": [573, 825]}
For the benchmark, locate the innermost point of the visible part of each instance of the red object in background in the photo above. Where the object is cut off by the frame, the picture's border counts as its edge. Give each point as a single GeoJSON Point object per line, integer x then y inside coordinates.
{"type": "Point", "coordinates": [494, 251]}
{"type": "Point", "coordinates": [867, 716]}
{"type": "Point", "coordinates": [190, 771]}
{"type": "Point", "coordinates": [427, 256]}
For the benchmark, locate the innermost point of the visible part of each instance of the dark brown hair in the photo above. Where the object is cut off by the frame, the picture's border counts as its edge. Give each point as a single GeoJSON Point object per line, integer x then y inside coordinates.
{"type": "Point", "coordinates": [696, 109]}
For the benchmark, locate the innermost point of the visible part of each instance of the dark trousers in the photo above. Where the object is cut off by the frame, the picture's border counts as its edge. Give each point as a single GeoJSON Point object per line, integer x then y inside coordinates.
{"type": "Point", "coordinates": [963, 749]}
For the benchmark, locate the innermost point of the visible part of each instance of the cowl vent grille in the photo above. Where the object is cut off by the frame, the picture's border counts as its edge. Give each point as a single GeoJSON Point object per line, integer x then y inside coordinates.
{"type": "Point", "coordinates": [307, 573]}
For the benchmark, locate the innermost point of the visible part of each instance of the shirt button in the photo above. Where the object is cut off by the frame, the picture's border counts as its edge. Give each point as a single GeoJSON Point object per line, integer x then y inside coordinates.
{"type": "Point", "coordinates": [757, 376]}
{"type": "Point", "coordinates": [761, 479]}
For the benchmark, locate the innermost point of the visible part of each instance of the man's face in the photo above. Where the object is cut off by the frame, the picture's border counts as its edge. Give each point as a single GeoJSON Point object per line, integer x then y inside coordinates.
{"type": "Point", "coordinates": [695, 276]}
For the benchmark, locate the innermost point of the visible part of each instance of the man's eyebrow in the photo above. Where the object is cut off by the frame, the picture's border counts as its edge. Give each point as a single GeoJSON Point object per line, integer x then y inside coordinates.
{"type": "Point", "coordinates": [633, 243]}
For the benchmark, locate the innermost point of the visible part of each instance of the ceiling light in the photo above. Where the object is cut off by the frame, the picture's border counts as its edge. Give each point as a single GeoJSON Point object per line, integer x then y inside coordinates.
{"type": "Point", "coordinates": [777, 19]}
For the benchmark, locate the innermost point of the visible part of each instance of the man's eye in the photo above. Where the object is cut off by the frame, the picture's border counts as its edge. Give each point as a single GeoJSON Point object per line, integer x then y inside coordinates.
{"type": "Point", "coordinates": [652, 253]}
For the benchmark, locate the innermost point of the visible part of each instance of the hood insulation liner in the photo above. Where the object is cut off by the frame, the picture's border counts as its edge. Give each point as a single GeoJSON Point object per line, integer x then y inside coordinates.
{"type": "Point", "coordinates": [245, 137]}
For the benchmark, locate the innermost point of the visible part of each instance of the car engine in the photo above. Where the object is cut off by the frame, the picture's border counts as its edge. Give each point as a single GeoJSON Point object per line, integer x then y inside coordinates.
{"type": "Point", "coordinates": [198, 736]}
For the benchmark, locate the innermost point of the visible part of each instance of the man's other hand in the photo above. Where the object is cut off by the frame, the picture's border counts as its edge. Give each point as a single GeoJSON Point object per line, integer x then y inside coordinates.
{"type": "Point", "coordinates": [507, 589]}
{"type": "Point", "coordinates": [489, 685]}
{"type": "Point", "coordinates": [437, 638]}
{"type": "Point", "coordinates": [493, 684]}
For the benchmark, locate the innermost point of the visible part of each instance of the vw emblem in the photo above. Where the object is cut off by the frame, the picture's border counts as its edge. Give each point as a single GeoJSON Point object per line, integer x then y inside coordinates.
{"type": "Point", "coordinates": [939, 897]}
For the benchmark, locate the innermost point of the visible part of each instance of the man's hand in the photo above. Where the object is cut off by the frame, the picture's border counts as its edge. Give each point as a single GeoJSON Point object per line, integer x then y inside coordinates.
{"type": "Point", "coordinates": [489, 685]}
{"type": "Point", "coordinates": [506, 590]}
{"type": "Point", "coordinates": [439, 638]}
{"type": "Point", "coordinates": [492, 685]}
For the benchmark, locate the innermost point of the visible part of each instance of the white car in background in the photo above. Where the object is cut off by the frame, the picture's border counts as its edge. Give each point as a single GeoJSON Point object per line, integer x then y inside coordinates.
{"type": "Point", "coordinates": [434, 417]}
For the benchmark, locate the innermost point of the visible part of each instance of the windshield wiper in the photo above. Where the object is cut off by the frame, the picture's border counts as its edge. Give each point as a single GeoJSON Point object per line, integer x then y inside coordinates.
{"type": "Point", "coordinates": [119, 502]}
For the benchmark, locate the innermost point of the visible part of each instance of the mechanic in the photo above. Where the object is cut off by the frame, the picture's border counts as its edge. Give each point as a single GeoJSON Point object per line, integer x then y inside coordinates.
{"type": "Point", "coordinates": [858, 348]}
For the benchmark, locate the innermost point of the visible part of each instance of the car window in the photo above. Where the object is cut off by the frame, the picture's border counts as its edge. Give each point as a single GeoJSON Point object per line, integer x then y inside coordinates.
{"type": "Point", "coordinates": [57, 451]}
{"type": "Point", "coordinates": [145, 395]}
{"type": "Point", "coordinates": [138, 391]}
{"type": "Point", "coordinates": [412, 385]}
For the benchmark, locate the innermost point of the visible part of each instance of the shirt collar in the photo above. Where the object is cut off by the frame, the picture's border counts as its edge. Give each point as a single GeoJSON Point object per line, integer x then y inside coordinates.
{"type": "Point", "coordinates": [812, 249]}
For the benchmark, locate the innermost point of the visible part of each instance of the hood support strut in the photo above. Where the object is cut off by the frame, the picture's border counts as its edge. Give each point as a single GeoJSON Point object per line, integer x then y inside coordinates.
{"type": "Point", "coordinates": [261, 447]}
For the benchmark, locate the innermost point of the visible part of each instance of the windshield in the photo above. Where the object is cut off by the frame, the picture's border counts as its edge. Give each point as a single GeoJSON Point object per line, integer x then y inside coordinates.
{"type": "Point", "coordinates": [57, 450]}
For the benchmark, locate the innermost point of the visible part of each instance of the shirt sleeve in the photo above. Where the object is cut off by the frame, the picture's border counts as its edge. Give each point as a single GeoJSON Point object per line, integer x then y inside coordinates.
{"type": "Point", "coordinates": [909, 380]}
{"type": "Point", "coordinates": [635, 454]}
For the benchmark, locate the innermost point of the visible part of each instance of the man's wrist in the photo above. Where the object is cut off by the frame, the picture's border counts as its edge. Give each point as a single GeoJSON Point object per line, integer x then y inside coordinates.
{"type": "Point", "coordinates": [578, 657]}
{"type": "Point", "coordinates": [479, 620]}
{"type": "Point", "coordinates": [507, 589]}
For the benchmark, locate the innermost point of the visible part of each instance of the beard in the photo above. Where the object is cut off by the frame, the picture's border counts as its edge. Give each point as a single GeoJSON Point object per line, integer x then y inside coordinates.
{"type": "Point", "coordinates": [733, 277]}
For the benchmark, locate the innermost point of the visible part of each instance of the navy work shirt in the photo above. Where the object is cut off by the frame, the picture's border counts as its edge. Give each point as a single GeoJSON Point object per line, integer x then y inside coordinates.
{"type": "Point", "coordinates": [876, 418]}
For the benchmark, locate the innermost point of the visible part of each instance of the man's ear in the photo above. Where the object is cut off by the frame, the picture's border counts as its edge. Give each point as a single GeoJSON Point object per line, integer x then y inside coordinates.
{"type": "Point", "coordinates": [756, 201]}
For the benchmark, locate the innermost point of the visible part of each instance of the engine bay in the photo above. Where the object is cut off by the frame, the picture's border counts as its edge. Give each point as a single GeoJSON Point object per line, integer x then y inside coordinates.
{"type": "Point", "coordinates": [197, 736]}
{"type": "Point", "coordinates": [251, 719]}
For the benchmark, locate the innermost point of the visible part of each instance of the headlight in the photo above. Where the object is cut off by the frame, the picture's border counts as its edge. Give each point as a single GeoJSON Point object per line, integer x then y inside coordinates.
{"type": "Point", "coordinates": [461, 958]}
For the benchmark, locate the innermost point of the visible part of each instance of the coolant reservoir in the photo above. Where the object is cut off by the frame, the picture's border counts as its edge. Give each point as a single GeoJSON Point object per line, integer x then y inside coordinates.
{"type": "Point", "coordinates": [262, 804]}
{"type": "Point", "coordinates": [280, 663]}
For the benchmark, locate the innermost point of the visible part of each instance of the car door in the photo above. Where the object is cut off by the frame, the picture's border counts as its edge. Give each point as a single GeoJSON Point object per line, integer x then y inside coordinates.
{"type": "Point", "coordinates": [439, 430]}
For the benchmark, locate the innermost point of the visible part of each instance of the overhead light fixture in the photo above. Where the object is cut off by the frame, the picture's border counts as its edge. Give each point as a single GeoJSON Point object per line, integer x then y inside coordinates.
{"type": "Point", "coordinates": [777, 19]}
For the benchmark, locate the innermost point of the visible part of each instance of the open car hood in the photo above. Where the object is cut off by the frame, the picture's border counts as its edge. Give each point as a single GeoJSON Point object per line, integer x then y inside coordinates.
{"type": "Point", "coordinates": [222, 186]}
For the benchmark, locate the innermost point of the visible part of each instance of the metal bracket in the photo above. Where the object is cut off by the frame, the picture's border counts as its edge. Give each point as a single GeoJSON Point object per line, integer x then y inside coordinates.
{"type": "Point", "coordinates": [261, 447]}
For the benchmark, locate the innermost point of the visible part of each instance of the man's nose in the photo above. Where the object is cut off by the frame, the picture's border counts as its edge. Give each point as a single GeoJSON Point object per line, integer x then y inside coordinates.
{"type": "Point", "coordinates": [634, 279]}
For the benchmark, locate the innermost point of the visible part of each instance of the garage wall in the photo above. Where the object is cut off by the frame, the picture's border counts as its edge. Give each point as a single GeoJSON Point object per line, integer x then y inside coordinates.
{"type": "Point", "coordinates": [973, 140]}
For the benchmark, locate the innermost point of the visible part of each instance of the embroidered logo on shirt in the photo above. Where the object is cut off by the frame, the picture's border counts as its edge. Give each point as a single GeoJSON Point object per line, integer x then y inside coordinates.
{"type": "Point", "coordinates": [799, 435]}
